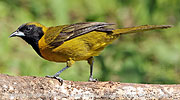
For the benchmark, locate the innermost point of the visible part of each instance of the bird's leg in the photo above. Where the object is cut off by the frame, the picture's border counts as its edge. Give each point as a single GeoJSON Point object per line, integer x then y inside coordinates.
{"type": "Point", "coordinates": [91, 61]}
{"type": "Point", "coordinates": [56, 76]}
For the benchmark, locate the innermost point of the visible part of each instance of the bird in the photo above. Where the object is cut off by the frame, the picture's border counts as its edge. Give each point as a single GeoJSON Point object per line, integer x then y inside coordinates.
{"type": "Point", "coordinates": [74, 42]}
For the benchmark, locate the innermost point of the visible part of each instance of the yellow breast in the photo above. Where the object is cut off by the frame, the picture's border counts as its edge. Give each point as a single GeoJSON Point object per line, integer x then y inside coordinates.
{"type": "Point", "coordinates": [79, 48]}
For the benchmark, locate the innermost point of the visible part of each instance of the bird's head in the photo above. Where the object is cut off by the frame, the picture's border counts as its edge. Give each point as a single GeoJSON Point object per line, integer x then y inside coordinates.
{"type": "Point", "coordinates": [31, 33]}
{"type": "Point", "coordinates": [31, 30]}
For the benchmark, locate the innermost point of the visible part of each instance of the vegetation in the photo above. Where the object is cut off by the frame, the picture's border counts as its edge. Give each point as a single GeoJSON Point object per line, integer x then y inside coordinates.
{"type": "Point", "coordinates": [149, 57]}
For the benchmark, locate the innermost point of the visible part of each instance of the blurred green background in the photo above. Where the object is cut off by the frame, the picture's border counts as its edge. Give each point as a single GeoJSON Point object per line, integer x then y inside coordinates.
{"type": "Point", "coordinates": [149, 57]}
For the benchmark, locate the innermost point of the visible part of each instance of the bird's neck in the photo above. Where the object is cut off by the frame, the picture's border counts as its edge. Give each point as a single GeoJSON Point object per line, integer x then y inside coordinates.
{"type": "Point", "coordinates": [34, 43]}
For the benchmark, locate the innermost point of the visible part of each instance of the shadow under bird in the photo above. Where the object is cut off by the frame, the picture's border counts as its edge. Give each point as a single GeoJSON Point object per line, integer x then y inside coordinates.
{"type": "Point", "coordinates": [75, 42]}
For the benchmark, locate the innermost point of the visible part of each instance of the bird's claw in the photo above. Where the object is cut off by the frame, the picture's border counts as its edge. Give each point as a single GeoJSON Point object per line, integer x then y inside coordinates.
{"type": "Point", "coordinates": [91, 79]}
{"type": "Point", "coordinates": [56, 77]}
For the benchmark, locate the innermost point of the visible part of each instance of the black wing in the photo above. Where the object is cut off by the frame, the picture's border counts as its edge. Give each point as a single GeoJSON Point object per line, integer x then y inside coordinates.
{"type": "Point", "coordinates": [69, 32]}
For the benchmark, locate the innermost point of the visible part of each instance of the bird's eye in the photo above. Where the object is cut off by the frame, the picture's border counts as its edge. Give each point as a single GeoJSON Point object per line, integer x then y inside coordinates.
{"type": "Point", "coordinates": [28, 29]}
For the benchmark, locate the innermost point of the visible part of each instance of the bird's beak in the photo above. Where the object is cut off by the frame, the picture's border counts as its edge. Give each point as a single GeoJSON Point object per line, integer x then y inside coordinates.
{"type": "Point", "coordinates": [17, 33]}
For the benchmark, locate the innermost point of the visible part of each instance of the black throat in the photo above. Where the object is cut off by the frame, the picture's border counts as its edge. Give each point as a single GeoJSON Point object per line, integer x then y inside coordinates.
{"type": "Point", "coordinates": [34, 43]}
{"type": "Point", "coordinates": [33, 36]}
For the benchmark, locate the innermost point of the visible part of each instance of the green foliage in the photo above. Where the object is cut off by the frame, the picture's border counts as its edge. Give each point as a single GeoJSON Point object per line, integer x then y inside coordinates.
{"type": "Point", "coordinates": [149, 57]}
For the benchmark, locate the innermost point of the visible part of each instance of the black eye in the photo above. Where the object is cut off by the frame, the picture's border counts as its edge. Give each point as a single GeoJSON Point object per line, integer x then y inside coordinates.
{"type": "Point", "coordinates": [28, 29]}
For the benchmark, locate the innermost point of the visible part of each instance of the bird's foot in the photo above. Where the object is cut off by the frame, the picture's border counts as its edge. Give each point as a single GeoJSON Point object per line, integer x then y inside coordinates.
{"type": "Point", "coordinates": [56, 77]}
{"type": "Point", "coordinates": [91, 79]}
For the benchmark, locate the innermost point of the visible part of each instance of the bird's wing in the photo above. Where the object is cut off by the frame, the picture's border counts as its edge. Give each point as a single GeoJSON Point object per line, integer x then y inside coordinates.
{"type": "Point", "coordinates": [57, 35]}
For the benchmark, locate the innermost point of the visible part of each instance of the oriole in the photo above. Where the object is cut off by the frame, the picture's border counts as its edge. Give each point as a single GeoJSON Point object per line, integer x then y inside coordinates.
{"type": "Point", "coordinates": [75, 42]}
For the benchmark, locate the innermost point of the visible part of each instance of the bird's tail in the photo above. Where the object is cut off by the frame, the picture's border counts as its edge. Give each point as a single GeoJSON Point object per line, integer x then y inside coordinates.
{"type": "Point", "coordinates": [139, 29]}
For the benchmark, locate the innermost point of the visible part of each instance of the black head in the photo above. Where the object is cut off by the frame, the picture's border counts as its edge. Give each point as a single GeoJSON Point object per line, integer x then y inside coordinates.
{"type": "Point", "coordinates": [31, 33]}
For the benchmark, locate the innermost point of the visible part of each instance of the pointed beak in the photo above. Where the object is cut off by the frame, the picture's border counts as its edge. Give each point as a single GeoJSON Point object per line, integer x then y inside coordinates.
{"type": "Point", "coordinates": [17, 33]}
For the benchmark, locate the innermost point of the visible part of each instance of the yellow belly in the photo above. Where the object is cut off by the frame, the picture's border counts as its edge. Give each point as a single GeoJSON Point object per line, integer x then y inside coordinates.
{"type": "Point", "coordinates": [79, 48]}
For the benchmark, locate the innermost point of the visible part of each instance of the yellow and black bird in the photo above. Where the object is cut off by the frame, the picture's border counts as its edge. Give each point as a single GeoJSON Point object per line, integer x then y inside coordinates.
{"type": "Point", "coordinates": [75, 42]}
